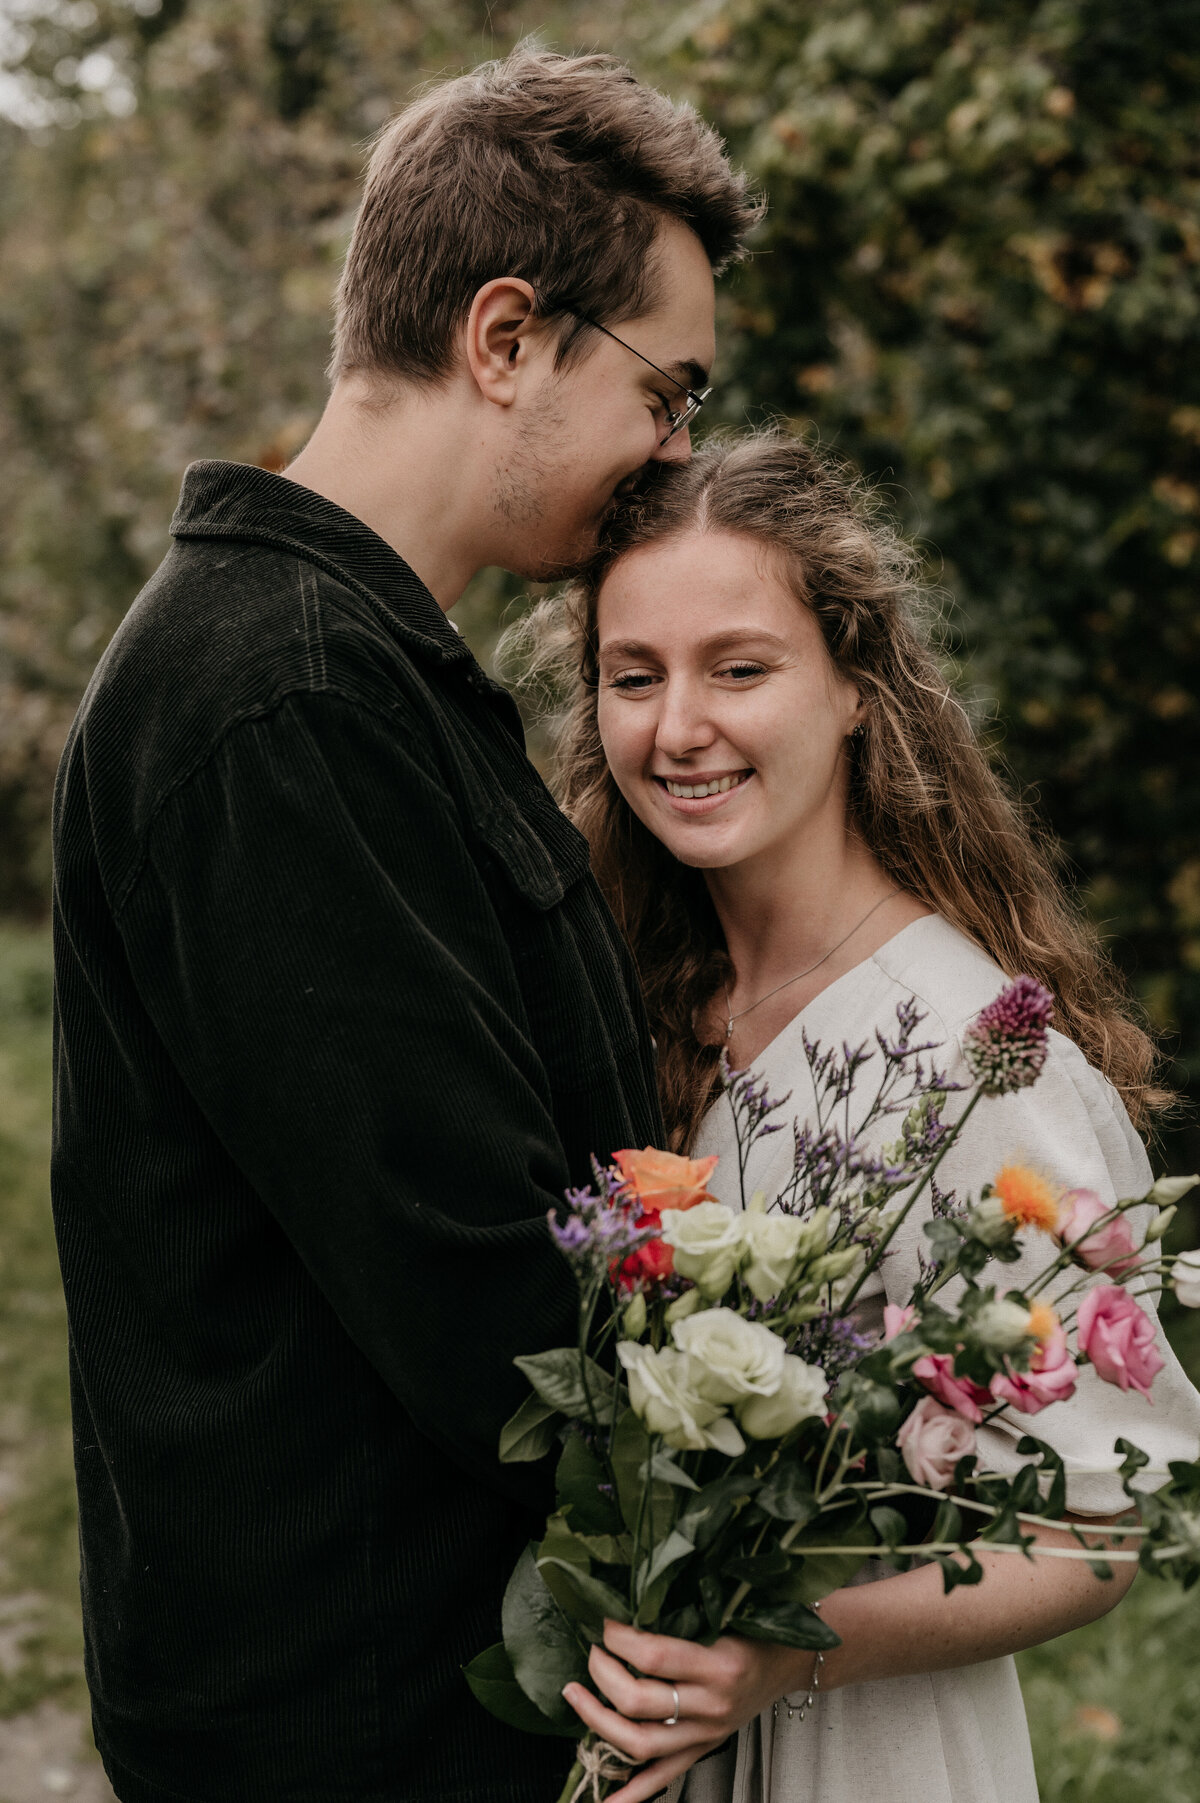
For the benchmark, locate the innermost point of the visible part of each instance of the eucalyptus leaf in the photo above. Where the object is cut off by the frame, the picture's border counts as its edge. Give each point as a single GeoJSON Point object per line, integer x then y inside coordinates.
{"type": "Point", "coordinates": [544, 1649]}
{"type": "Point", "coordinates": [490, 1675]}
{"type": "Point", "coordinates": [530, 1433]}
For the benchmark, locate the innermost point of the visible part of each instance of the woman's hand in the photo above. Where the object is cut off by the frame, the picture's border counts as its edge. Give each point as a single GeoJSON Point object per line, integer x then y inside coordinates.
{"type": "Point", "coordinates": [720, 1688]}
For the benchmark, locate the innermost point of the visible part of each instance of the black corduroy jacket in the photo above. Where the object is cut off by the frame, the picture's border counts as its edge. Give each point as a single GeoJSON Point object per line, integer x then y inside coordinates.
{"type": "Point", "coordinates": [340, 1013]}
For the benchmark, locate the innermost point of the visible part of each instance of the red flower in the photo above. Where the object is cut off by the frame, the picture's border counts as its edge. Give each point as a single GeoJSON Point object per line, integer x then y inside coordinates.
{"type": "Point", "coordinates": [649, 1263]}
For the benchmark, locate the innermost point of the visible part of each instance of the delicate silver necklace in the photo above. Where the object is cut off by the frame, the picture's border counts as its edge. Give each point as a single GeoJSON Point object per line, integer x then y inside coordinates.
{"type": "Point", "coordinates": [788, 981]}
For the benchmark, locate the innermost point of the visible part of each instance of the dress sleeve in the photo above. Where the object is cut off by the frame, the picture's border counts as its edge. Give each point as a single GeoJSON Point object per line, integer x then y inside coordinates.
{"type": "Point", "coordinates": [1072, 1128]}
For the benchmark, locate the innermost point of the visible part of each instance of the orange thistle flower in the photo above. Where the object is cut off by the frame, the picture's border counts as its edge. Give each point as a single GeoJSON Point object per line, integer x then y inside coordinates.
{"type": "Point", "coordinates": [1042, 1321]}
{"type": "Point", "coordinates": [1027, 1198]}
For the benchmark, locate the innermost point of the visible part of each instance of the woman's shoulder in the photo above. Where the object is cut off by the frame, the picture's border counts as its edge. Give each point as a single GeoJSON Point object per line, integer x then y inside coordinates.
{"type": "Point", "coordinates": [954, 978]}
{"type": "Point", "coordinates": [945, 971]}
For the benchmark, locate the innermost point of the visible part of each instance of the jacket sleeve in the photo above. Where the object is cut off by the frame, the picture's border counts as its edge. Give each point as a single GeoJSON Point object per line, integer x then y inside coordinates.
{"type": "Point", "coordinates": [321, 958]}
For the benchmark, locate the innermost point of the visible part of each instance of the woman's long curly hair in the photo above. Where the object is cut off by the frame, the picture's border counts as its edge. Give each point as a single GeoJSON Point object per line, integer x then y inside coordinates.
{"type": "Point", "coordinates": [923, 796]}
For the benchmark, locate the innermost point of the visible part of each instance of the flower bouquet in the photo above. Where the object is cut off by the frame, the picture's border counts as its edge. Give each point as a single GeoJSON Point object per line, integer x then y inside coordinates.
{"type": "Point", "coordinates": [732, 1445]}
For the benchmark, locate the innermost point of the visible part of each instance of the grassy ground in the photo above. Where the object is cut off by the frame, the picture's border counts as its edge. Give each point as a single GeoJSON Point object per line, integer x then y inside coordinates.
{"type": "Point", "coordinates": [1111, 1707]}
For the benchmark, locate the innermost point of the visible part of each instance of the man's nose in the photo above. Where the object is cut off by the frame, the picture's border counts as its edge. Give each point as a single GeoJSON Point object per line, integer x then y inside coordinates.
{"type": "Point", "coordinates": [676, 449]}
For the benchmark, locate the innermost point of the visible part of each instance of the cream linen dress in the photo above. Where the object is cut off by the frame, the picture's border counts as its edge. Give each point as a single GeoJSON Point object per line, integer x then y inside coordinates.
{"type": "Point", "coordinates": [956, 1736]}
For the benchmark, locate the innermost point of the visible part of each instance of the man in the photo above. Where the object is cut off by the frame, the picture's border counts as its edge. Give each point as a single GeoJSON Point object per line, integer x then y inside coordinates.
{"type": "Point", "coordinates": [340, 1010]}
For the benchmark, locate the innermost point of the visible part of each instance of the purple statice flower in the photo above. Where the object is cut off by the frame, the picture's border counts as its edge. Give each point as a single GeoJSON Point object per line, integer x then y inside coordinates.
{"type": "Point", "coordinates": [832, 1341]}
{"type": "Point", "coordinates": [751, 1102]}
{"type": "Point", "coordinates": [597, 1229]}
{"type": "Point", "coordinates": [1005, 1045]}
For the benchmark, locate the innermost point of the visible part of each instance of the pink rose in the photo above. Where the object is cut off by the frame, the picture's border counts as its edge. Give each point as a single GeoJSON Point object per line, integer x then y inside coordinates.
{"type": "Point", "coordinates": [1110, 1248]}
{"type": "Point", "coordinates": [1050, 1378]}
{"type": "Point", "coordinates": [933, 1440]}
{"type": "Point", "coordinates": [897, 1320]}
{"type": "Point", "coordinates": [936, 1372]}
{"type": "Point", "coordinates": [1118, 1337]}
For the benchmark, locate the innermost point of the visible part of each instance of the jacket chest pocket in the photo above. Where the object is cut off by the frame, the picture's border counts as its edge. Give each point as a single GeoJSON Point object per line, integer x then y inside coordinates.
{"type": "Point", "coordinates": [564, 945]}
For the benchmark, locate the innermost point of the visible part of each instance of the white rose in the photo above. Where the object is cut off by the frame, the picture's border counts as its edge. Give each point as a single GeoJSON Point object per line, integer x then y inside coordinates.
{"type": "Point", "coordinates": [731, 1357]}
{"type": "Point", "coordinates": [663, 1392]}
{"type": "Point", "coordinates": [773, 1241]}
{"type": "Point", "coordinates": [801, 1393]}
{"type": "Point", "coordinates": [1185, 1279]}
{"type": "Point", "coordinates": [708, 1243]}
{"type": "Point", "coordinates": [1001, 1324]}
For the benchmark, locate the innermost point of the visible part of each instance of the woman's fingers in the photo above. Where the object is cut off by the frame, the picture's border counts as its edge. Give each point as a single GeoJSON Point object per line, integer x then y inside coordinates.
{"type": "Point", "coordinates": [642, 1699]}
{"type": "Point", "coordinates": [642, 1740]}
{"type": "Point", "coordinates": [652, 1780]}
{"type": "Point", "coordinates": [661, 1655]}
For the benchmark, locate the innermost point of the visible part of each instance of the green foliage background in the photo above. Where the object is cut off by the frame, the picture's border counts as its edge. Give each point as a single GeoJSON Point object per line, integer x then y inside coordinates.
{"type": "Point", "coordinates": [979, 277]}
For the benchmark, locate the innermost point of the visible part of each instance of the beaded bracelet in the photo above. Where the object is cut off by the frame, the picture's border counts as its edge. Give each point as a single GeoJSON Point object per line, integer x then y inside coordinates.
{"type": "Point", "coordinates": [797, 1712]}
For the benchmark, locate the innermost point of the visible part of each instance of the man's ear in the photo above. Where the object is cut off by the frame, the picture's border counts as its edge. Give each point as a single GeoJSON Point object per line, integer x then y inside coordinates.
{"type": "Point", "coordinates": [500, 326]}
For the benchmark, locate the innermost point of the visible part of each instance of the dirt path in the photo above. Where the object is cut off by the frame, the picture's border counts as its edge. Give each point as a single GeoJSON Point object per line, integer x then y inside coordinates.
{"type": "Point", "coordinates": [47, 1753]}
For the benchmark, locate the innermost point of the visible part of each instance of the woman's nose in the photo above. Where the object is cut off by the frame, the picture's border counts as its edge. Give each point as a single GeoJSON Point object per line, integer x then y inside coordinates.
{"type": "Point", "coordinates": [683, 723]}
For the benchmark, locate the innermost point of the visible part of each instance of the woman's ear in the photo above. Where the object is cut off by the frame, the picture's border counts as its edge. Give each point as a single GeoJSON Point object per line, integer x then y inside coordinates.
{"type": "Point", "coordinates": [502, 320]}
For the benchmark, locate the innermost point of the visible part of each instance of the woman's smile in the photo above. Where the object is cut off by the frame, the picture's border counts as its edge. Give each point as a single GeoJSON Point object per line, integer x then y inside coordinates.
{"type": "Point", "coordinates": [701, 793]}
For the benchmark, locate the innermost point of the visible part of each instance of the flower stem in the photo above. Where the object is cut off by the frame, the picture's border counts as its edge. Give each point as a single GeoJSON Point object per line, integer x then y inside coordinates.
{"type": "Point", "coordinates": [574, 1776]}
{"type": "Point", "coordinates": [906, 1205]}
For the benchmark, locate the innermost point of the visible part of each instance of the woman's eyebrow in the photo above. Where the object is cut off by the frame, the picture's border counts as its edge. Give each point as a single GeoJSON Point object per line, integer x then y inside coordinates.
{"type": "Point", "coordinates": [721, 641]}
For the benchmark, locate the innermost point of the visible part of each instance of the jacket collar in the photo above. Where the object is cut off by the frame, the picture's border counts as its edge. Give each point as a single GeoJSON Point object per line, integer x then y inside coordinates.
{"type": "Point", "coordinates": [240, 501]}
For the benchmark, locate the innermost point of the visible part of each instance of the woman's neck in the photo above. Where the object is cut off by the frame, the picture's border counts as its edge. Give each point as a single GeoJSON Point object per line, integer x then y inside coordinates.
{"type": "Point", "coordinates": [801, 921]}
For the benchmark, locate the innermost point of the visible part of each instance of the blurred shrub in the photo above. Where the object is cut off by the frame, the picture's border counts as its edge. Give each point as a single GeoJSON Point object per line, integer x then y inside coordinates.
{"type": "Point", "coordinates": [981, 277]}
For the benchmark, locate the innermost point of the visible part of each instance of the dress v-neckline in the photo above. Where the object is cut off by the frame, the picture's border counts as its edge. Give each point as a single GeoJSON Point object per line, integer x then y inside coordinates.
{"type": "Point", "coordinates": [831, 988]}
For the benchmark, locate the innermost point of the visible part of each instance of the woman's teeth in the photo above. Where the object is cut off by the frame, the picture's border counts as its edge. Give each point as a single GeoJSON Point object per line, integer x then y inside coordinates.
{"type": "Point", "coordinates": [718, 786]}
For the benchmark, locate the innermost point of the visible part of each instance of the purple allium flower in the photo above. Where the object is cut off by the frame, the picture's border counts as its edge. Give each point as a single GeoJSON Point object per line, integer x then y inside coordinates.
{"type": "Point", "coordinates": [1005, 1045]}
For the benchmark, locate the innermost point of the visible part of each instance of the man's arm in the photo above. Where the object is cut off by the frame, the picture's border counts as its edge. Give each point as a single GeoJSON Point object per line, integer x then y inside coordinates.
{"type": "Point", "coordinates": [321, 959]}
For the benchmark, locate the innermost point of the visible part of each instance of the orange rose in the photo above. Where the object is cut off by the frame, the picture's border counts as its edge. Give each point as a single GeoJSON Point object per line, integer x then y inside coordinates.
{"type": "Point", "coordinates": [664, 1180]}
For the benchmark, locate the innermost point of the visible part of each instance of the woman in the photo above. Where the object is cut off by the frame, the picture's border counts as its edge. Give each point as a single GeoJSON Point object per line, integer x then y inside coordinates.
{"type": "Point", "coordinates": [797, 829]}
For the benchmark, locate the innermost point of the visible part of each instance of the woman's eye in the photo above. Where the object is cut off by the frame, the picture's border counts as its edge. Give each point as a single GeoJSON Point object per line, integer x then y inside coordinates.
{"type": "Point", "coordinates": [631, 680]}
{"type": "Point", "coordinates": [743, 671]}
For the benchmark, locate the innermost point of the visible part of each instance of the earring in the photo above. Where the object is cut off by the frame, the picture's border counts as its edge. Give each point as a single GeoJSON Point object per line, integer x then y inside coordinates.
{"type": "Point", "coordinates": [858, 731]}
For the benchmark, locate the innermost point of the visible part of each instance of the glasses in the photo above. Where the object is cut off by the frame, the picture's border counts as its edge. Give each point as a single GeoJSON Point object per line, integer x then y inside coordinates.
{"type": "Point", "coordinates": [675, 421]}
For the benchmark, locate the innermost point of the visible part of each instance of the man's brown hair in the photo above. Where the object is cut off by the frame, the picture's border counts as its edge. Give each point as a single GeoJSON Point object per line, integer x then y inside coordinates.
{"type": "Point", "coordinates": [555, 169]}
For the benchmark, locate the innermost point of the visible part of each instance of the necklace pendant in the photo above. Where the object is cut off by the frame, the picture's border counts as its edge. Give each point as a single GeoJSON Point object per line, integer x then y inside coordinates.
{"type": "Point", "coordinates": [729, 1028]}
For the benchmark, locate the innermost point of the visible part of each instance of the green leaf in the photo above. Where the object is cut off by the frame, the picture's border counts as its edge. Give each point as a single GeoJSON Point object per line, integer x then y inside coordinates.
{"type": "Point", "coordinates": [760, 1568]}
{"type": "Point", "coordinates": [580, 1593]}
{"type": "Point", "coordinates": [706, 1514]}
{"type": "Point", "coordinates": [558, 1380]}
{"type": "Point", "coordinates": [671, 1473]}
{"type": "Point", "coordinates": [577, 1480]}
{"type": "Point", "coordinates": [631, 1449]}
{"type": "Point", "coordinates": [787, 1493]}
{"type": "Point", "coordinates": [530, 1433]}
{"type": "Point", "coordinates": [545, 1651]}
{"type": "Point", "coordinates": [889, 1524]}
{"type": "Point", "coordinates": [608, 1549]}
{"type": "Point", "coordinates": [787, 1624]}
{"type": "Point", "coordinates": [672, 1550]}
{"type": "Point", "coordinates": [947, 1523]}
{"type": "Point", "coordinates": [490, 1675]}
